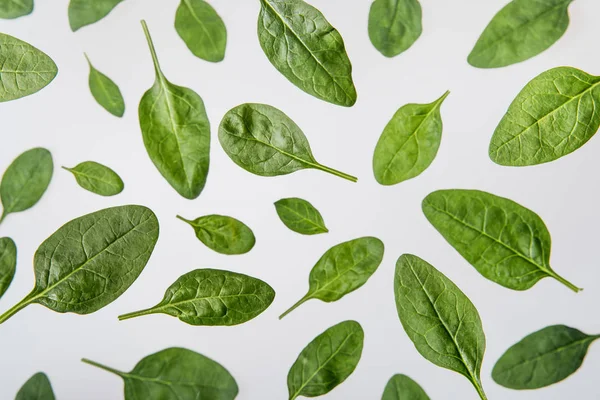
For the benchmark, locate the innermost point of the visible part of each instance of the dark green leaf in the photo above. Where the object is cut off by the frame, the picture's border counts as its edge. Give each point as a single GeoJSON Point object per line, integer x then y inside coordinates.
{"type": "Point", "coordinates": [36, 388]}
{"type": "Point", "coordinates": [342, 269]}
{"type": "Point", "coordinates": [409, 142]}
{"type": "Point", "coordinates": [542, 358]}
{"type": "Point", "coordinates": [8, 263]}
{"type": "Point", "coordinates": [306, 49]}
{"type": "Point", "coordinates": [86, 12]}
{"type": "Point", "coordinates": [554, 115]}
{"type": "Point", "coordinates": [176, 373]}
{"type": "Point", "coordinates": [10, 9]}
{"type": "Point", "coordinates": [225, 235]}
{"type": "Point", "coordinates": [202, 30]}
{"type": "Point", "coordinates": [506, 242]}
{"type": "Point", "coordinates": [90, 261]}
{"type": "Point", "coordinates": [176, 132]}
{"type": "Point", "coordinates": [97, 178]}
{"type": "Point", "coordinates": [300, 216]}
{"type": "Point", "coordinates": [394, 25]}
{"type": "Point", "coordinates": [401, 387]}
{"type": "Point", "coordinates": [440, 320]}
{"type": "Point", "coordinates": [25, 180]}
{"type": "Point", "coordinates": [327, 361]}
{"type": "Point", "coordinates": [105, 91]}
{"type": "Point", "coordinates": [266, 142]}
{"type": "Point", "coordinates": [521, 30]}
{"type": "Point", "coordinates": [213, 297]}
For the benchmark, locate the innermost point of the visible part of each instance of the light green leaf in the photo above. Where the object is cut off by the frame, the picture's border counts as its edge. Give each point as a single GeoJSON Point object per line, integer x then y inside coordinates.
{"type": "Point", "coordinates": [97, 178]}
{"type": "Point", "coordinates": [394, 25]}
{"type": "Point", "coordinates": [8, 263]}
{"type": "Point", "coordinates": [401, 387]}
{"type": "Point", "coordinates": [106, 92]}
{"type": "Point", "coordinates": [86, 12]}
{"type": "Point", "coordinates": [223, 234]}
{"type": "Point", "coordinates": [300, 216]}
{"type": "Point", "coordinates": [10, 9]}
{"type": "Point", "coordinates": [38, 387]}
{"type": "Point", "coordinates": [202, 30]}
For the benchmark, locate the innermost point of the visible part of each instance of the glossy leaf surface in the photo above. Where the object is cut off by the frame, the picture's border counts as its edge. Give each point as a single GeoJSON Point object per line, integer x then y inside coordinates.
{"type": "Point", "coordinates": [223, 234]}
{"type": "Point", "coordinates": [105, 91]}
{"type": "Point", "coordinates": [97, 178]}
{"type": "Point", "coordinates": [38, 387]}
{"type": "Point", "coordinates": [86, 12]}
{"type": "Point", "coordinates": [401, 387]}
{"type": "Point", "coordinates": [300, 216]}
{"type": "Point", "coordinates": [202, 30]}
{"type": "Point", "coordinates": [8, 263]}
{"type": "Point", "coordinates": [10, 9]}
{"type": "Point", "coordinates": [394, 25]}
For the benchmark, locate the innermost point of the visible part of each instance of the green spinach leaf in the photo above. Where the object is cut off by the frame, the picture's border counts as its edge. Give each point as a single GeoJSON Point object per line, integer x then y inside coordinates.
{"type": "Point", "coordinates": [24, 69]}
{"type": "Point", "coordinates": [202, 30]}
{"type": "Point", "coordinates": [327, 361]}
{"type": "Point", "coordinates": [25, 181]}
{"type": "Point", "coordinates": [176, 373]}
{"type": "Point", "coordinates": [97, 178]}
{"type": "Point", "coordinates": [87, 12]}
{"type": "Point", "coordinates": [225, 235]}
{"type": "Point", "coordinates": [554, 115]}
{"type": "Point", "coordinates": [542, 358]}
{"type": "Point", "coordinates": [266, 142]}
{"type": "Point", "coordinates": [521, 30]}
{"type": "Point", "coordinates": [213, 297]}
{"type": "Point", "coordinates": [8, 263]}
{"type": "Point", "coordinates": [90, 261]}
{"type": "Point", "coordinates": [105, 91]}
{"type": "Point", "coordinates": [401, 387]}
{"type": "Point", "coordinates": [36, 388]}
{"type": "Point", "coordinates": [300, 216]}
{"type": "Point", "coordinates": [409, 142]}
{"type": "Point", "coordinates": [176, 132]}
{"type": "Point", "coordinates": [506, 242]}
{"type": "Point", "coordinates": [10, 9]}
{"type": "Point", "coordinates": [439, 318]}
{"type": "Point", "coordinates": [394, 25]}
{"type": "Point", "coordinates": [306, 49]}
{"type": "Point", "coordinates": [342, 269]}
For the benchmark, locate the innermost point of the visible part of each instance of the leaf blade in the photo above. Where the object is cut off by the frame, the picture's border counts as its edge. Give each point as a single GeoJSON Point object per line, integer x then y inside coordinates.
{"type": "Point", "coordinates": [300, 216]}
{"type": "Point", "coordinates": [8, 263]}
{"type": "Point", "coordinates": [105, 91]}
{"type": "Point", "coordinates": [97, 178]}
{"type": "Point", "coordinates": [394, 25]}
{"type": "Point", "coordinates": [87, 12]}
{"type": "Point", "coordinates": [202, 29]}
{"type": "Point", "coordinates": [37, 387]}
{"type": "Point", "coordinates": [401, 387]}
{"type": "Point", "coordinates": [223, 234]}
{"type": "Point", "coordinates": [15, 9]}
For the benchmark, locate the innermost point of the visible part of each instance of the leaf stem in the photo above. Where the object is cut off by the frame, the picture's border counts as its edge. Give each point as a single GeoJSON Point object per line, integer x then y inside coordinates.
{"type": "Point", "coordinates": [183, 219]}
{"type": "Point", "coordinates": [298, 304]}
{"type": "Point", "coordinates": [336, 172]}
{"type": "Point", "coordinates": [135, 314]}
{"type": "Point", "coordinates": [480, 391]}
{"type": "Point", "coordinates": [565, 282]}
{"type": "Point", "coordinates": [441, 99]}
{"type": "Point", "coordinates": [16, 308]}
{"type": "Point", "coordinates": [104, 367]}
{"type": "Point", "coordinates": [4, 214]}
{"type": "Point", "coordinates": [88, 59]}
{"type": "Point", "coordinates": [152, 49]}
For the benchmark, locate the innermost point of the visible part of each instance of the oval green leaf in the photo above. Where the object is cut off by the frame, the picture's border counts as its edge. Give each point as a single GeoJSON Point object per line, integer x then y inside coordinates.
{"type": "Point", "coordinates": [266, 142]}
{"type": "Point", "coordinates": [97, 178]}
{"type": "Point", "coordinates": [554, 115]}
{"type": "Point", "coordinates": [300, 216]}
{"type": "Point", "coordinates": [176, 132]}
{"type": "Point", "coordinates": [25, 181]}
{"type": "Point", "coordinates": [213, 297]}
{"type": "Point", "coordinates": [401, 387]}
{"type": "Point", "coordinates": [542, 358]}
{"type": "Point", "coordinates": [225, 235]}
{"type": "Point", "coordinates": [342, 269]}
{"type": "Point", "coordinates": [202, 29]}
{"type": "Point", "coordinates": [506, 242]}
{"type": "Point", "coordinates": [10, 9]}
{"type": "Point", "coordinates": [409, 142]}
{"type": "Point", "coordinates": [521, 30]}
{"type": "Point", "coordinates": [86, 12]}
{"type": "Point", "coordinates": [105, 91]}
{"type": "Point", "coordinates": [184, 375]}
{"type": "Point", "coordinates": [439, 318]}
{"type": "Point", "coordinates": [8, 263]}
{"type": "Point", "coordinates": [90, 261]}
{"type": "Point", "coordinates": [394, 25]}
{"type": "Point", "coordinates": [38, 387]}
{"type": "Point", "coordinates": [306, 49]}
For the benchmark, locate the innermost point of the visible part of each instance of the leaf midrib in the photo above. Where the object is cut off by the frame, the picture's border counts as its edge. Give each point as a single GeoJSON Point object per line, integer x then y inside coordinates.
{"type": "Point", "coordinates": [303, 218]}
{"type": "Point", "coordinates": [74, 171]}
{"type": "Point", "coordinates": [168, 305]}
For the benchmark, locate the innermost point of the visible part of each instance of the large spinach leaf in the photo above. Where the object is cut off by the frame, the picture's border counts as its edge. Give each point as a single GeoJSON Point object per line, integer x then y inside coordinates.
{"type": "Point", "coordinates": [8, 263]}
{"type": "Point", "coordinates": [10, 9]}
{"type": "Point", "coordinates": [394, 25]}
{"type": "Point", "coordinates": [223, 234]}
{"type": "Point", "coordinates": [97, 178]}
{"type": "Point", "coordinates": [300, 216]}
{"type": "Point", "coordinates": [86, 12]}
{"type": "Point", "coordinates": [202, 30]}
{"type": "Point", "coordinates": [401, 387]}
{"type": "Point", "coordinates": [105, 91]}
{"type": "Point", "coordinates": [37, 387]}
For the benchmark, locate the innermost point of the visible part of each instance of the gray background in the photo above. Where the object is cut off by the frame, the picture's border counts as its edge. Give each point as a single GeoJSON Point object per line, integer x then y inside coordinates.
{"type": "Point", "coordinates": [65, 119]}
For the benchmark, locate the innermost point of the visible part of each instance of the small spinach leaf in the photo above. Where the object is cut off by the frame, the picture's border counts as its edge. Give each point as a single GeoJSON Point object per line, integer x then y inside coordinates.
{"type": "Point", "coordinates": [97, 178]}
{"type": "Point", "coordinates": [327, 361]}
{"type": "Point", "coordinates": [86, 12]}
{"type": "Point", "coordinates": [25, 181]}
{"type": "Point", "coordinates": [342, 269]}
{"type": "Point", "coordinates": [266, 142]}
{"type": "Point", "coordinates": [409, 142]}
{"type": "Point", "coordinates": [37, 387]}
{"type": "Point", "coordinates": [105, 91]}
{"type": "Point", "coordinates": [506, 242]}
{"type": "Point", "coordinates": [542, 358]}
{"type": "Point", "coordinates": [439, 318]}
{"type": "Point", "coordinates": [8, 263]}
{"type": "Point", "coordinates": [306, 49]}
{"type": "Point", "coordinates": [212, 297]}
{"type": "Point", "coordinates": [176, 373]}
{"type": "Point", "coordinates": [90, 261]}
{"type": "Point", "coordinates": [401, 387]}
{"type": "Point", "coordinates": [10, 9]}
{"type": "Point", "coordinates": [394, 25]}
{"type": "Point", "coordinates": [300, 216]}
{"type": "Point", "coordinates": [176, 132]}
{"type": "Point", "coordinates": [202, 30]}
{"type": "Point", "coordinates": [225, 235]}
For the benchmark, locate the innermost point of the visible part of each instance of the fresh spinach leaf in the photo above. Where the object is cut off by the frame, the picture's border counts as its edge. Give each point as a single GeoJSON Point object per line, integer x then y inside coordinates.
{"type": "Point", "coordinates": [202, 30]}
{"type": "Point", "coordinates": [176, 373]}
{"type": "Point", "coordinates": [87, 12]}
{"type": "Point", "coordinates": [300, 216]}
{"type": "Point", "coordinates": [409, 142]}
{"type": "Point", "coordinates": [306, 49]}
{"type": "Point", "coordinates": [8, 263]}
{"type": "Point", "coordinates": [97, 178]}
{"type": "Point", "coordinates": [542, 358]}
{"type": "Point", "coordinates": [439, 318]}
{"type": "Point", "coordinates": [24, 69]}
{"type": "Point", "coordinates": [342, 269]}
{"type": "Point", "coordinates": [176, 132]}
{"type": "Point", "coordinates": [25, 181]}
{"type": "Point", "coordinates": [394, 25]}
{"type": "Point", "coordinates": [521, 30]}
{"type": "Point", "coordinates": [212, 297]}
{"type": "Point", "coordinates": [266, 142]}
{"type": "Point", "coordinates": [90, 261]}
{"type": "Point", "coordinates": [506, 242]}
{"type": "Point", "coordinates": [225, 235]}
{"type": "Point", "coordinates": [38, 387]}
{"type": "Point", "coordinates": [554, 115]}
{"type": "Point", "coordinates": [401, 387]}
{"type": "Point", "coordinates": [105, 91]}
{"type": "Point", "coordinates": [327, 361]}
{"type": "Point", "coordinates": [10, 9]}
